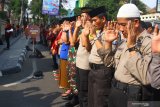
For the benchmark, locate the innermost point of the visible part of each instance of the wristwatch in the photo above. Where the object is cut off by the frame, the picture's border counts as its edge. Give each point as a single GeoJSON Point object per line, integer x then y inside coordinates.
{"type": "Point", "coordinates": [132, 49]}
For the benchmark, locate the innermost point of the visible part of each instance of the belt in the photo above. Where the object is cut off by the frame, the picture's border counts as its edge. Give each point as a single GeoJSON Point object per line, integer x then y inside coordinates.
{"type": "Point", "coordinates": [96, 66]}
{"type": "Point", "coordinates": [127, 88]}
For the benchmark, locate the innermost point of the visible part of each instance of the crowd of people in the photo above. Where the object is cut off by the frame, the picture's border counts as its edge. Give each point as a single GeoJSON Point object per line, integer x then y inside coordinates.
{"type": "Point", "coordinates": [102, 63]}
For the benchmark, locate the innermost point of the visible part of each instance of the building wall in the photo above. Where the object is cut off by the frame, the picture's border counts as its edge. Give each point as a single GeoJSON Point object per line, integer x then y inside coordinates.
{"type": "Point", "coordinates": [150, 17]}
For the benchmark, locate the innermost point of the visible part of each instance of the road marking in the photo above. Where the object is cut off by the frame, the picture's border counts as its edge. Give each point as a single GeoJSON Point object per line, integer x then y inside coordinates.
{"type": "Point", "coordinates": [34, 65]}
{"type": "Point", "coordinates": [18, 82]}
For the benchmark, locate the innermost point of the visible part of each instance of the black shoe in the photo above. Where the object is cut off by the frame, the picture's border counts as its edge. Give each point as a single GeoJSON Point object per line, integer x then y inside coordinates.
{"type": "Point", "coordinates": [68, 97]}
{"type": "Point", "coordinates": [69, 104]}
{"type": "Point", "coordinates": [55, 67]}
{"type": "Point", "coordinates": [38, 75]}
{"type": "Point", "coordinates": [28, 48]}
{"type": "Point", "coordinates": [73, 102]}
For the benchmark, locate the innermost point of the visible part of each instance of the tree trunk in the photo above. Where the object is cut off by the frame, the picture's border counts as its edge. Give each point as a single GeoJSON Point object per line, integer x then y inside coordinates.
{"type": "Point", "coordinates": [22, 14]}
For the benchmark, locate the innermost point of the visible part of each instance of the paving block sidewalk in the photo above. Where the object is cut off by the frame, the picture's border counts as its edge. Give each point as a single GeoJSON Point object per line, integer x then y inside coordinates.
{"type": "Point", "coordinates": [11, 61]}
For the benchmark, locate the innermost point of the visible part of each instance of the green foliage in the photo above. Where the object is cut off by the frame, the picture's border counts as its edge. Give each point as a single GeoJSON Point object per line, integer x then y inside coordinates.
{"type": "Point", "coordinates": [112, 6]}
{"type": "Point", "coordinates": [36, 10]}
{"type": "Point", "coordinates": [15, 6]}
{"type": "Point", "coordinates": [63, 11]}
{"type": "Point", "coordinates": [77, 11]}
{"type": "Point", "coordinates": [3, 15]}
{"type": "Point", "coordinates": [36, 7]}
{"type": "Point", "coordinates": [141, 6]}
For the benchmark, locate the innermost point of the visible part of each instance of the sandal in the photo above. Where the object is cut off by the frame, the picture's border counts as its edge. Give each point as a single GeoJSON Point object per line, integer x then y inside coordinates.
{"type": "Point", "coordinates": [66, 93]}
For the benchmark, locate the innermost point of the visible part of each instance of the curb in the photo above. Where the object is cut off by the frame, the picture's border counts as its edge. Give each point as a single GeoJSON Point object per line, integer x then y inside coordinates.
{"type": "Point", "coordinates": [18, 67]}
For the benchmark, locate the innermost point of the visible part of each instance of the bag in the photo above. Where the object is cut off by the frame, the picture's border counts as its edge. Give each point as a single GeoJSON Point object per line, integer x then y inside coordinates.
{"type": "Point", "coordinates": [64, 51]}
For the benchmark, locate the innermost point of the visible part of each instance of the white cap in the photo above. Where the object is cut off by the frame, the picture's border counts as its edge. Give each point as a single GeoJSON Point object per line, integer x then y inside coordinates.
{"type": "Point", "coordinates": [128, 11]}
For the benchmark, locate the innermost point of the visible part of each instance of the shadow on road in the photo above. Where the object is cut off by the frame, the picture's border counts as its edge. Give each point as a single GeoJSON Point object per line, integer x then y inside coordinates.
{"type": "Point", "coordinates": [28, 98]}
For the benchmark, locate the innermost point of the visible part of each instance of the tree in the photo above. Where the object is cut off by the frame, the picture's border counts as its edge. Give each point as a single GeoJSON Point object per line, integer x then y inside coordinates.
{"type": "Point", "coordinates": [36, 10]}
{"type": "Point", "coordinates": [112, 6]}
{"type": "Point", "coordinates": [36, 7]}
{"type": "Point", "coordinates": [18, 8]}
{"type": "Point", "coordinates": [141, 6]}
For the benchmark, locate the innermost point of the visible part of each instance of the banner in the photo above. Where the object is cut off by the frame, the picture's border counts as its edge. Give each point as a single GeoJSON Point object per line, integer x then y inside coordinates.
{"type": "Point", "coordinates": [50, 7]}
{"type": "Point", "coordinates": [158, 6]}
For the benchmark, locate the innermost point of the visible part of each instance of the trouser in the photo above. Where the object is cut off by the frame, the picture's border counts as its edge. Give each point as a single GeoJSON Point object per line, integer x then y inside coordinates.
{"type": "Point", "coordinates": [124, 95]}
{"type": "Point", "coordinates": [82, 86]}
{"type": "Point", "coordinates": [8, 41]}
{"type": "Point", "coordinates": [54, 57]}
{"type": "Point", "coordinates": [99, 84]}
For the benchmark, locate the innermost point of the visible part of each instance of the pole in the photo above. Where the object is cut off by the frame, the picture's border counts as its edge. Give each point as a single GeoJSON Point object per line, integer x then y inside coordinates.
{"type": "Point", "coordinates": [49, 19]}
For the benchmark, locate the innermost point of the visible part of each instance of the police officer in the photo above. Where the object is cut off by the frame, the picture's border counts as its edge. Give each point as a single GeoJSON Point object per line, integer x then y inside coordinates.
{"type": "Point", "coordinates": [154, 67]}
{"type": "Point", "coordinates": [131, 58]}
{"type": "Point", "coordinates": [82, 62]}
{"type": "Point", "coordinates": [99, 80]}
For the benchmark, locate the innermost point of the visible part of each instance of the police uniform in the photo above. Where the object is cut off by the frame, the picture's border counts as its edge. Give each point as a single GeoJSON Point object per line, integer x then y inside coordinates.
{"type": "Point", "coordinates": [131, 73]}
{"type": "Point", "coordinates": [131, 78]}
{"type": "Point", "coordinates": [100, 76]}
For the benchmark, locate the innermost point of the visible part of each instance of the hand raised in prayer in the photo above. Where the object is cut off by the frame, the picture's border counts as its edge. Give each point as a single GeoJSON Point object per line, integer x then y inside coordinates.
{"type": "Point", "coordinates": [131, 40]}
{"type": "Point", "coordinates": [111, 32]}
{"type": "Point", "coordinates": [156, 40]}
{"type": "Point", "coordinates": [78, 22]}
{"type": "Point", "coordinates": [86, 30]}
{"type": "Point", "coordinates": [93, 30]}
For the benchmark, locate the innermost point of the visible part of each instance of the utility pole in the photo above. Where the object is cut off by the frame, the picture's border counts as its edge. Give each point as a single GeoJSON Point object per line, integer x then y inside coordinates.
{"type": "Point", "coordinates": [49, 18]}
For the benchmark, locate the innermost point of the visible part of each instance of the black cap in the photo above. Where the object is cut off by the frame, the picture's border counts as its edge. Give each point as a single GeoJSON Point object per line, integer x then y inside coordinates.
{"type": "Point", "coordinates": [97, 11]}
{"type": "Point", "coordinates": [86, 9]}
{"type": "Point", "coordinates": [63, 19]}
{"type": "Point", "coordinates": [68, 19]}
{"type": "Point", "coordinates": [72, 18]}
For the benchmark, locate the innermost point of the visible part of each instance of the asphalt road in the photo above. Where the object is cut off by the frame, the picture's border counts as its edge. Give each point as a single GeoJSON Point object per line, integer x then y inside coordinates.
{"type": "Point", "coordinates": [21, 90]}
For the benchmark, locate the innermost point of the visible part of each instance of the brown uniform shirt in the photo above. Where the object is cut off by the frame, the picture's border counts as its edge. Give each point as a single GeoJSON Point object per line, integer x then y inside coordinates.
{"type": "Point", "coordinates": [154, 70]}
{"type": "Point", "coordinates": [134, 69]}
{"type": "Point", "coordinates": [94, 57]}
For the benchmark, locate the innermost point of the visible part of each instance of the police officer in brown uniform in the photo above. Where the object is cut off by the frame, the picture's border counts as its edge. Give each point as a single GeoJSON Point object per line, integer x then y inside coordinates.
{"type": "Point", "coordinates": [82, 62]}
{"type": "Point", "coordinates": [130, 60]}
{"type": "Point", "coordinates": [154, 67]}
{"type": "Point", "coordinates": [99, 80]}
